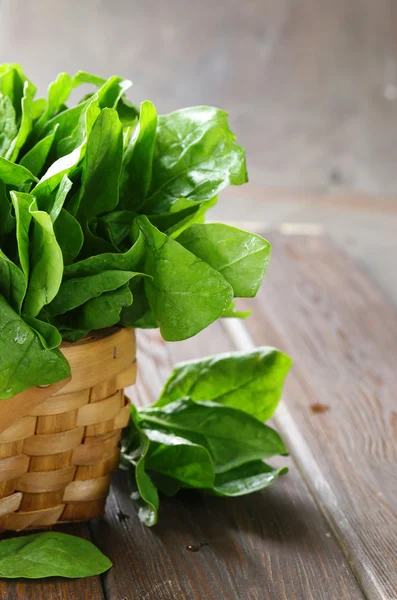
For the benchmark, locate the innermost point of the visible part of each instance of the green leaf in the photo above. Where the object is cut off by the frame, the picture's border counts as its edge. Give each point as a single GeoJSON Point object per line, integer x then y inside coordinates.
{"type": "Point", "coordinates": [58, 93]}
{"type": "Point", "coordinates": [102, 166]}
{"type": "Point", "coordinates": [47, 265]}
{"type": "Point", "coordinates": [138, 158]}
{"type": "Point", "coordinates": [101, 312]}
{"type": "Point", "coordinates": [195, 157]}
{"type": "Point", "coordinates": [50, 554]}
{"type": "Point", "coordinates": [139, 314]}
{"type": "Point", "coordinates": [11, 85]}
{"type": "Point", "coordinates": [35, 159]}
{"type": "Point", "coordinates": [250, 381]}
{"type": "Point", "coordinates": [185, 293]}
{"type": "Point", "coordinates": [246, 479]}
{"type": "Point", "coordinates": [69, 236]}
{"type": "Point", "coordinates": [94, 265]}
{"type": "Point", "coordinates": [179, 458]}
{"type": "Point", "coordinates": [118, 225]}
{"type": "Point", "coordinates": [77, 291]}
{"type": "Point", "coordinates": [60, 197]}
{"type": "Point", "coordinates": [67, 164]}
{"type": "Point", "coordinates": [12, 282]}
{"type": "Point", "coordinates": [8, 124]}
{"type": "Point", "coordinates": [135, 448]}
{"type": "Point", "coordinates": [26, 123]}
{"type": "Point", "coordinates": [241, 257]}
{"type": "Point", "coordinates": [7, 220]}
{"type": "Point", "coordinates": [48, 334]}
{"type": "Point", "coordinates": [24, 362]}
{"type": "Point", "coordinates": [231, 436]}
{"type": "Point", "coordinates": [23, 216]}
{"type": "Point", "coordinates": [12, 174]}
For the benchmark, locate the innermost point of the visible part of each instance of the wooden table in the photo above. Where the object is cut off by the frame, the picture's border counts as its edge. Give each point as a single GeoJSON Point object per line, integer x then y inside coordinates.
{"type": "Point", "coordinates": [326, 531]}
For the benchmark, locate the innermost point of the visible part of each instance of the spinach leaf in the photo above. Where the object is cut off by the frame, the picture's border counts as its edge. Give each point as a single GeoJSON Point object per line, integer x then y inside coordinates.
{"type": "Point", "coordinates": [231, 436]}
{"type": "Point", "coordinates": [58, 92]}
{"type": "Point", "coordinates": [138, 158]}
{"type": "Point", "coordinates": [69, 236]}
{"type": "Point", "coordinates": [180, 459]}
{"type": "Point", "coordinates": [12, 282]}
{"type": "Point", "coordinates": [195, 157]}
{"type": "Point", "coordinates": [23, 217]}
{"type": "Point", "coordinates": [139, 314]}
{"type": "Point", "coordinates": [135, 448]}
{"type": "Point", "coordinates": [24, 362]}
{"type": "Point", "coordinates": [60, 197]}
{"type": "Point", "coordinates": [48, 334]}
{"type": "Point", "coordinates": [46, 264]}
{"type": "Point", "coordinates": [77, 291]}
{"type": "Point", "coordinates": [26, 123]}
{"type": "Point", "coordinates": [35, 159]}
{"type": "Point", "coordinates": [102, 166]}
{"type": "Point", "coordinates": [118, 226]}
{"type": "Point", "coordinates": [7, 220]}
{"type": "Point", "coordinates": [241, 257]}
{"type": "Point", "coordinates": [185, 293]}
{"type": "Point", "coordinates": [248, 478]}
{"type": "Point", "coordinates": [50, 554]}
{"type": "Point", "coordinates": [8, 124]}
{"type": "Point", "coordinates": [250, 381]}
{"type": "Point", "coordinates": [11, 85]}
{"type": "Point", "coordinates": [101, 312]}
{"type": "Point", "coordinates": [12, 174]}
{"type": "Point", "coordinates": [108, 261]}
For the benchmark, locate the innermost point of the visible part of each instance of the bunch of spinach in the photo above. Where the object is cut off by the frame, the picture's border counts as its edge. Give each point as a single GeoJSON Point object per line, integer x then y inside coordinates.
{"type": "Point", "coordinates": [206, 430]}
{"type": "Point", "coordinates": [102, 210]}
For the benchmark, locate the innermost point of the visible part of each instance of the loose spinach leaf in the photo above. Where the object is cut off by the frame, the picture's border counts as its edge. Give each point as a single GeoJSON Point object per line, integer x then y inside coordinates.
{"type": "Point", "coordinates": [195, 157]}
{"type": "Point", "coordinates": [231, 436]}
{"type": "Point", "coordinates": [137, 160]}
{"type": "Point", "coordinates": [241, 257]}
{"type": "Point", "coordinates": [24, 362]}
{"type": "Point", "coordinates": [250, 381]}
{"type": "Point", "coordinates": [248, 478]}
{"type": "Point", "coordinates": [50, 554]}
{"type": "Point", "coordinates": [185, 293]}
{"type": "Point", "coordinates": [135, 448]}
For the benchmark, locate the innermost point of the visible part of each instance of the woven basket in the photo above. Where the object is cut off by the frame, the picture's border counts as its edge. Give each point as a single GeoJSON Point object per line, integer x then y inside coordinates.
{"type": "Point", "coordinates": [60, 443]}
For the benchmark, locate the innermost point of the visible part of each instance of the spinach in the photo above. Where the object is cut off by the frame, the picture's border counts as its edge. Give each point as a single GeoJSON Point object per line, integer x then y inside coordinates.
{"type": "Point", "coordinates": [250, 381]}
{"type": "Point", "coordinates": [24, 361]}
{"type": "Point", "coordinates": [184, 293]}
{"type": "Point", "coordinates": [50, 554]}
{"type": "Point", "coordinates": [239, 256]}
{"type": "Point", "coordinates": [186, 439]}
{"type": "Point", "coordinates": [102, 209]}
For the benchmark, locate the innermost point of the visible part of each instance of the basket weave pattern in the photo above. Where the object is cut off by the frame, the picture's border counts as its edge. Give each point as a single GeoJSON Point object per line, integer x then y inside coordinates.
{"type": "Point", "coordinates": [60, 444]}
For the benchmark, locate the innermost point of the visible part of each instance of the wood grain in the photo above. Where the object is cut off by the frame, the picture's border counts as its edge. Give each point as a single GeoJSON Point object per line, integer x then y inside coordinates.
{"type": "Point", "coordinates": [274, 545]}
{"type": "Point", "coordinates": [342, 334]}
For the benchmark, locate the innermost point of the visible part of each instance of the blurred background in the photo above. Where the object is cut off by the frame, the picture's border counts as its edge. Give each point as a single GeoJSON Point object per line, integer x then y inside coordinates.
{"type": "Point", "coordinates": [310, 85]}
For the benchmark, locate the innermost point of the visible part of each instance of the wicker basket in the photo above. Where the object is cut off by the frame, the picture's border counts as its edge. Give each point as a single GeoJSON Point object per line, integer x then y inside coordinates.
{"type": "Point", "coordinates": [60, 443]}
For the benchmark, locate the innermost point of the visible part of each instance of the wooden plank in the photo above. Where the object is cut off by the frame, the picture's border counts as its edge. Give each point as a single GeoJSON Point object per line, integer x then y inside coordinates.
{"type": "Point", "coordinates": [274, 545]}
{"type": "Point", "coordinates": [54, 588]}
{"type": "Point", "coordinates": [342, 334]}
